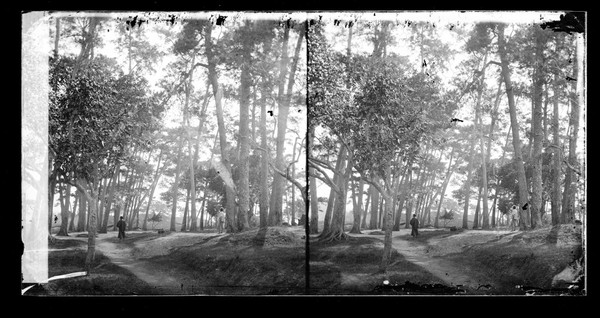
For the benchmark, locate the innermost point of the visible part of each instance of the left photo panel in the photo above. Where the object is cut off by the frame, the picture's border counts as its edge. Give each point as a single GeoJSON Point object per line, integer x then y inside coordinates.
{"type": "Point", "coordinates": [164, 153]}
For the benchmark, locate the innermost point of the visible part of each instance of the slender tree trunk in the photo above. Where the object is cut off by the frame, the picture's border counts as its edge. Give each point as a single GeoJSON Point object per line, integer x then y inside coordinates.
{"type": "Point", "coordinates": [111, 193]}
{"type": "Point", "coordinates": [244, 163]}
{"type": "Point", "coordinates": [64, 213]}
{"type": "Point", "coordinates": [576, 96]}
{"type": "Point", "coordinates": [357, 212]}
{"type": "Point", "coordinates": [445, 186]}
{"type": "Point", "coordinates": [264, 159]}
{"type": "Point", "coordinates": [152, 188]}
{"type": "Point", "coordinates": [477, 209]}
{"type": "Point", "coordinates": [387, 242]}
{"type": "Point", "coordinates": [292, 189]}
{"type": "Point", "coordinates": [401, 199]}
{"type": "Point", "coordinates": [332, 194]}
{"type": "Point", "coordinates": [226, 166]}
{"type": "Point", "coordinates": [56, 36]}
{"type": "Point", "coordinates": [556, 157]}
{"type": "Point", "coordinates": [374, 204]}
{"type": "Point", "coordinates": [72, 215]}
{"type": "Point", "coordinates": [489, 144]}
{"type": "Point", "coordinates": [82, 210]}
{"type": "Point", "coordinates": [277, 186]}
{"type": "Point", "coordinates": [538, 135]}
{"type": "Point", "coordinates": [363, 223]}
{"type": "Point", "coordinates": [518, 158]}
{"type": "Point", "coordinates": [185, 212]}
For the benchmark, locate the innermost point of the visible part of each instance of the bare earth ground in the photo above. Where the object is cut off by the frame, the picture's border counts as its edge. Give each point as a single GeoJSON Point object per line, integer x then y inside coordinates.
{"type": "Point", "coordinates": [273, 262]}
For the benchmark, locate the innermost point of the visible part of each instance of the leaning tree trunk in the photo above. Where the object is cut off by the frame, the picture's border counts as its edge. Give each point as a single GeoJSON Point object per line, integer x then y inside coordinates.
{"type": "Point", "coordinates": [444, 187]}
{"type": "Point", "coordinates": [336, 231]}
{"type": "Point", "coordinates": [332, 194]}
{"type": "Point", "coordinates": [518, 158]}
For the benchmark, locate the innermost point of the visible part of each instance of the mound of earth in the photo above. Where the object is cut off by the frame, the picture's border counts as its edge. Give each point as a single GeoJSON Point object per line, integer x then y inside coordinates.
{"type": "Point", "coordinates": [272, 236]}
{"type": "Point", "coordinates": [516, 259]}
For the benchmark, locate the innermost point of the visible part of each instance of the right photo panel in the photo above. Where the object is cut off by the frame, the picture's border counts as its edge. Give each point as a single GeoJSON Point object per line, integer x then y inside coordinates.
{"type": "Point", "coordinates": [447, 153]}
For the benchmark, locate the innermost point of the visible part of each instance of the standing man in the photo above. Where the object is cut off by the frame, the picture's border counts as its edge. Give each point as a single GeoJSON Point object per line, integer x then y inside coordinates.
{"type": "Point", "coordinates": [121, 226]}
{"type": "Point", "coordinates": [220, 220]}
{"type": "Point", "coordinates": [414, 222]}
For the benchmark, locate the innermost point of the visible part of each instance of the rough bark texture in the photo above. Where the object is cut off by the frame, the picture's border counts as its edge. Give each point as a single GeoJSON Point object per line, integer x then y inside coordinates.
{"type": "Point", "coordinates": [214, 79]}
{"type": "Point", "coordinates": [576, 96]}
{"type": "Point", "coordinates": [244, 164]}
{"type": "Point", "coordinates": [556, 157]}
{"type": "Point", "coordinates": [518, 158]}
{"type": "Point", "coordinates": [538, 134]}
{"type": "Point", "coordinates": [276, 204]}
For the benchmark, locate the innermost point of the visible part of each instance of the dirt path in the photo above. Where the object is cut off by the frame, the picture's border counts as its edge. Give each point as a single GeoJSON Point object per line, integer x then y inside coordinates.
{"type": "Point", "coordinates": [165, 281]}
{"type": "Point", "coordinates": [427, 254]}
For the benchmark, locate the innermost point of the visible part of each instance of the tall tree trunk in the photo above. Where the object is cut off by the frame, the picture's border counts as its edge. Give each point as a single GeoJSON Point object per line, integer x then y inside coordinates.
{"type": "Point", "coordinates": [64, 213]}
{"type": "Point", "coordinates": [489, 144]}
{"type": "Point", "coordinates": [111, 193]}
{"type": "Point", "coordinates": [186, 120]}
{"type": "Point", "coordinates": [410, 199]}
{"type": "Point", "coordinates": [332, 194]}
{"type": "Point", "coordinates": [152, 188]}
{"type": "Point", "coordinates": [336, 230]}
{"type": "Point", "coordinates": [363, 222]}
{"type": "Point", "coordinates": [282, 118]}
{"type": "Point", "coordinates": [358, 211]}
{"type": "Point", "coordinates": [400, 202]}
{"type": "Point", "coordinates": [518, 158]}
{"type": "Point", "coordinates": [556, 156]}
{"type": "Point", "coordinates": [292, 190]}
{"type": "Point", "coordinates": [175, 187]}
{"type": "Point", "coordinates": [538, 135]}
{"type": "Point", "coordinates": [264, 158]}
{"type": "Point", "coordinates": [244, 163]}
{"type": "Point", "coordinates": [184, 222]}
{"type": "Point", "coordinates": [576, 96]}
{"type": "Point", "coordinates": [276, 192]}
{"type": "Point", "coordinates": [226, 166]}
{"type": "Point", "coordinates": [56, 36]}
{"type": "Point", "coordinates": [444, 187]}
{"type": "Point", "coordinates": [477, 209]}
{"type": "Point", "coordinates": [374, 203]}
{"type": "Point", "coordinates": [387, 241]}
{"type": "Point", "coordinates": [72, 215]}
{"type": "Point", "coordinates": [82, 210]}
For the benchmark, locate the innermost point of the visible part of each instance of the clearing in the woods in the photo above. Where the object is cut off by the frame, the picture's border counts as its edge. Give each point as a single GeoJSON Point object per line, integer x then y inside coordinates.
{"type": "Point", "coordinates": [273, 262]}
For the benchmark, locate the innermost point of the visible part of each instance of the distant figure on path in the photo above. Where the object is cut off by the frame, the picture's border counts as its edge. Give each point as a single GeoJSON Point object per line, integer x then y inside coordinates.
{"type": "Point", "coordinates": [121, 226]}
{"type": "Point", "coordinates": [414, 222]}
{"type": "Point", "coordinates": [514, 218]}
{"type": "Point", "coordinates": [220, 220]}
{"type": "Point", "coordinates": [55, 219]}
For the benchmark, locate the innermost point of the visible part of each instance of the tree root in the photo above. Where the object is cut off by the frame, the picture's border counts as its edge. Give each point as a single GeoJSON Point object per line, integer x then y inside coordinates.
{"type": "Point", "coordinates": [333, 236]}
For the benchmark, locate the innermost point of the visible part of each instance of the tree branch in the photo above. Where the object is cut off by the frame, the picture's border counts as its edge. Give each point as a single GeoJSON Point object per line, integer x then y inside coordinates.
{"type": "Point", "coordinates": [574, 169]}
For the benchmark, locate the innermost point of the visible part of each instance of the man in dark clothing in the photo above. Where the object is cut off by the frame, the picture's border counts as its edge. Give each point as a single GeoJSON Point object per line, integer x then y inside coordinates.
{"type": "Point", "coordinates": [414, 222]}
{"type": "Point", "coordinates": [121, 226]}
